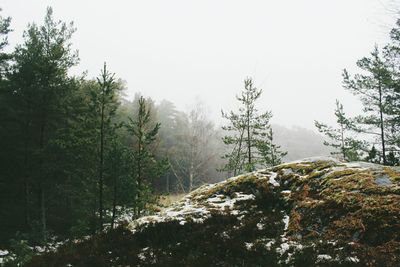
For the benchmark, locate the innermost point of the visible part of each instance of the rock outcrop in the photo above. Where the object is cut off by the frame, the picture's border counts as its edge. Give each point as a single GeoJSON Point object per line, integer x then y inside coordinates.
{"type": "Point", "coordinates": [313, 212]}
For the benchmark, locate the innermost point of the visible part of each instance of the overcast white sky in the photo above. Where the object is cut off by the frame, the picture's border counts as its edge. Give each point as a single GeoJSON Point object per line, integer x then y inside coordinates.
{"type": "Point", "coordinates": [179, 50]}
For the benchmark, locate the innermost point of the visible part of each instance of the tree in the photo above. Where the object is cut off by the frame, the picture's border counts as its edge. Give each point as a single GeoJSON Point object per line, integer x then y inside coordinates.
{"type": "Point", "coordinates": [7, 135]}
{"type": "Point", "coordinates": [168, 116]}
{"type": "Point", "coordinates": [340, 137]}
{"type": "Point", "coordinates": [192, 156]}
{"type": "Point", "coordinates": [245, 130]}
{"type": "Point", "coordinates": [146, 167]}
{"type": "Point", "coordinates": [119, 167]}
{"type": "Point", "coordinates": [4, 57]}
{"type": "Point", "coordinates": [271, 155]}
{"type": "Point", "coordinates": [374, 88]}
{"type": "Point", "coordinates": [392, 54]}
{"type": "Point", "coordinates": [39, 83]}
{"type": "Point", "coordinates": [373, 155]}
{"type": "Point", "coordinates": [105, 103]}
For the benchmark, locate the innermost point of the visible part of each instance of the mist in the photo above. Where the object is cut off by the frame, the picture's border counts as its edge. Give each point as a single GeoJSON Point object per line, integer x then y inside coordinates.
{"type": "Point", "coordinates": [178, 50]}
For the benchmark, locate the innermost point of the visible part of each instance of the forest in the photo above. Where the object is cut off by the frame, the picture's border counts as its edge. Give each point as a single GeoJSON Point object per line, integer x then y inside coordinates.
{"type": "Point", "coordinates": [76, 153]}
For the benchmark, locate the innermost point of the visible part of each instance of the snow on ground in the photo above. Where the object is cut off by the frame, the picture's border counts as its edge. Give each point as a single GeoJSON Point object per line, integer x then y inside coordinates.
{"type": "Point", "coordinates": [316, 159]}
{"type": "Point", "coordinates": [194, 210]}
{"type": "Point", "coordinates": [272, 179]}
{"type": "Point", "coordinates": [352, 259]}
{"type": "Point", "coordinates": [3, 253]}
{"type": "Point", "coordinates": [324, 257]}
{"type": "Point", "coordinates": [286, 222]}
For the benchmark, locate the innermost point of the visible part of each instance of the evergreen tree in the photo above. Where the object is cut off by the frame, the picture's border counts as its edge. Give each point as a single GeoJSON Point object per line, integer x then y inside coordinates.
{"type": "Point", "coordinates": [8, 139]}
{"type": "Point", "coordinates": [146, 167]}
{"type": "Point", "coordinates": [374, 88]}
{"type": "Point", "coordinates": [347, 147]}
{"type": "Point", "coordinates": [105, 98]}
{"type": "Point", "coordinates": [271, 154]}
{"type": "Point", "coordinates": [4, 57]}
{"type": "Point", "coordinates": [245, 131]}
{"type": "Point", "coordinates": [392, 54]}
{"type": "Point", "coordinates": [119, 167]}
{"type": "Point", "coordinates": [393, 160]}
{"type": "Point", "coordinates": [39, 83]}
{"type": "Point", "coordinates": [373, 155]}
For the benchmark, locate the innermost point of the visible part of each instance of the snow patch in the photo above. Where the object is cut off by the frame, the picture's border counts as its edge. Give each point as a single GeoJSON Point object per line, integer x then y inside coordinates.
{"type": "Point", "coordinates": [4, 253]}
{"type": "Point", "coordinates": [352, 259]}
{"type": "Point", "coordinates": [272, 179]}
{"type": "Point", "coordinates": [248, 245]}
{"type": "Point", "coordinates": [286, 222]}
{"type": "Point", "coordinates": [324, 257]}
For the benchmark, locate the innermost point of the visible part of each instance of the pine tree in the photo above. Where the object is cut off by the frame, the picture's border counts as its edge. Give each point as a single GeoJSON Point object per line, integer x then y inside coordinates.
{"type": "Point", "coordinates": [4, 57]}
{"type": "Point", "coordinates": [374, 88]}
{"type": "Point", "coordinates": [271, 154]}
{"type": "Point", "coordinates": [392, 54]}
{"type": "Point", "coordinates": [39, 82]}
{"type": "Point", "coordinates": [245, 131]}
{"type": "Point", "coordinates": [146, 167]}
{"type": "Point", "coordinates": [373, 155]}
{"type": "Point", "coordinates": [106, 103]}
{"type": "Point", "coordinates": [347, 147]}
{"type": "Point", "coordinates": [119, 169]}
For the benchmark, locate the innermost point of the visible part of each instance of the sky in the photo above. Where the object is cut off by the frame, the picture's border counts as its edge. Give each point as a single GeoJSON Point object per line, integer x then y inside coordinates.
{"type": "Point", "coordinates": [185, 51]}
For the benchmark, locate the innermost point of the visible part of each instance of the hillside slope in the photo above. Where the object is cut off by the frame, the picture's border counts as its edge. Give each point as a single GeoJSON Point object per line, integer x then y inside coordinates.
{"type": "Point", "coordinates": [314, 212]}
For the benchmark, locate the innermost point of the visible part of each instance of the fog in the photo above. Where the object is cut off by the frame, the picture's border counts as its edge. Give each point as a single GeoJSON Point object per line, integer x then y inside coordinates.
{"type": "Point", "coordinates": [183, 50]}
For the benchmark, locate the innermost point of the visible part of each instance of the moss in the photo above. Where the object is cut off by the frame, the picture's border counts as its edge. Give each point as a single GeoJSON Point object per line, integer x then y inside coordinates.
{"type": "Point", "coordinates": [248, 184]}
{"type": "Point", "coordinates": [393, 174]}
{"type": "Point", "coordinates": [342, 173]}
{"type": "Point", "coordinates": [340, 212]}
{"type": "Point", "coordinates": [306, 167]}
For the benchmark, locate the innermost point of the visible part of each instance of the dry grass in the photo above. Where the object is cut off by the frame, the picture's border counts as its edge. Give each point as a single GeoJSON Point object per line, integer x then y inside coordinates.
{"type": "Point", "coordinates": [166, 200]}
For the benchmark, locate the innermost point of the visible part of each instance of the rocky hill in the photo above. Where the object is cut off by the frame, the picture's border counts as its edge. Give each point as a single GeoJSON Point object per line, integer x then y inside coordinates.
{"type": "Point", "coordinates": [314, 212]}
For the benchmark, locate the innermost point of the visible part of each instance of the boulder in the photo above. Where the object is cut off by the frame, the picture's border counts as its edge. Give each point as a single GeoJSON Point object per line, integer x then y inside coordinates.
{"type": "Point", "coordinates": [312, 212]}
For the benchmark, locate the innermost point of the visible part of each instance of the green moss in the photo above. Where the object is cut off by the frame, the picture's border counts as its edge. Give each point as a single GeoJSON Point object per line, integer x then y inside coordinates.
{"type": "Point", "coordinates": [305, 168]}
{"type": "Point", "coordinates": [393, 174]}
{"type": "Point", "coordinates": [341, 173]}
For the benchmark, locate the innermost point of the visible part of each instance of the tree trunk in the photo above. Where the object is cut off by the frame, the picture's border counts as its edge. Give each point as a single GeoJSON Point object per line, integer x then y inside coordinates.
{"type": "Point", "coordinates": [101, 166]}
{"type": "Point", "coordinates": [167, 184]}
{"type": "Point", "coordinates": [43, 213]}
{"type": "Point", "coordinates": [26, 188]}
{"type": "Point", "coordinates": [342, 139]}
{"type": "Point", "coordinates": [248, 139]}
{"type": "Point", "coordinates": [381, 126]}
{"type": "Point", "coordinates": [114, 210]}
{"type": "Point", "coordinates": [41, 184]}
{"type": "Point", "coordinates": [191, 176]}
{"type": "Point", "coordinates": [235, 171]}
{"type": "Point", "coordinates": [139, 168]}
